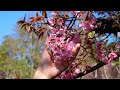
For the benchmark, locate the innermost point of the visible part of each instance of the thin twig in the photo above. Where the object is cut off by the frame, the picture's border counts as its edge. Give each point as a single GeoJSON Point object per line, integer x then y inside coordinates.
{"type": "Point", "coordinates": [106, 37]}
{"type": "Point", "coordinates": [71, 21]}
{"type": "Point", "coordinates": [74, 21]}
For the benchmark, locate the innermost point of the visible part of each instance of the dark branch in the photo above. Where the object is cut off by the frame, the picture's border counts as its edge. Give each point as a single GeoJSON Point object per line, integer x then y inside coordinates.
{"type": "Point", "coordinates": [74, 21]}
{"type": "Point", "coordinates": [106, 37]}
{"type": "Point", "coordinates": [71, 21]}
{"type": "Point", "coordinates": [99, 65]}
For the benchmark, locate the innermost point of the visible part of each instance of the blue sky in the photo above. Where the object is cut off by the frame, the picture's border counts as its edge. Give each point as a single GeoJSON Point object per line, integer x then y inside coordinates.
{"type": "Point", "coordinates": [8, 21]}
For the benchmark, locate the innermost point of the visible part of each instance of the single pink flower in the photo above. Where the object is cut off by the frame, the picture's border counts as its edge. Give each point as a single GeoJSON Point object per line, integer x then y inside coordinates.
{"type": "Point", "coordinates": [93, 21]}
{"type": "Point", "coordinates": [105, 59]}
{"type": "Point", "coordinates": [60, 21]}
{"type": "Point", "coordinates": [57, 60]}
{"type": "Point", "coordinates": [65, 28]}
{"type": "Point", "coordinates": [95, 26]}
{"type": "Point", "coordinates": [76, 71]}
{"type": "Point", "coordinates": [117, 45]}
{"type": "Point", "coordinates": [87, 26]}
{"type": "Point", "coordinates": [78, 11]}
{"type": "Point", "coordinates": [59, 40]}
{"type": "Point", "coordinates": [60, 31]}
{"type": "Point", "coordinates": [79, 15]}
{"type": "Point", "coordinates": [55, 12]}
{"type": "Point", "coordinates": [112, 55]}
{"type": "Point", "coordinates": [52, 37]}
{"type": "Point", "coordinates": [81, 24]}
{"type": "Point", "coordinates": [53, 29]}
{"type": "Point", "coordinates": [91, 26]}
{"type": "Point", "coordinates": [55, 49]}
{"type": "Point", "coordinates": [51, 21]}
{"type": "Point", "coordinates": [73, 12]}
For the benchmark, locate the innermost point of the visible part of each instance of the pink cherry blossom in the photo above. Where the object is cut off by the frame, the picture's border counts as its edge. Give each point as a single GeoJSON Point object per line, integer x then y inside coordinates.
{"type": "Point", "coordinates": [60, 31]}
{"type": "Point", "coordinates": [92, 26]}
{"type": "Point", "coordinates": [105, 59]}
{"type": "Point", "coordinates": [55, 12]}
{"type": "Point", "coordinates": [70, 45]}
{"type": "Point", "coordinates": [81, 24]}
{"type": "Point", "coordinates": [117, 45]}
{"type": "Point", "coordinates": [87, 26]}
{"type": "Point", "coordinates": [73, 12]}
{"type": "Point", "coordinates": [93, 21]}
{"type": "Point", "coordinates": [76, 71]}
{"type": "Point", "coordinates": [52, 37]}
{"type": "Point", "coordinates": [112, 55]}
{"type": "Point", "coordinates": [79, 15]}
{"type": "Point", "coordinates": [65, 28]}
{"type": "Point", "coordinates": [60, 21]}
{"type": "Point", "coordinates": [53, 29]}
{"type": "Point", "coordinates": [78, 11]}
{"type": "Point", "coordinates": [59, 40]}
{"type": "Point", "coordinates": [57, 59]}
{"type": "Point", "coordinates": [51, 21]}
{"type": "Point", "coordinates": [55, 49]}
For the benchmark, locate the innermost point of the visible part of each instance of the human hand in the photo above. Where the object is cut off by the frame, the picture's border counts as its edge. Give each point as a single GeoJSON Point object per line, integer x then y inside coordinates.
{"type": "Point", "coordinates": [48, 69]}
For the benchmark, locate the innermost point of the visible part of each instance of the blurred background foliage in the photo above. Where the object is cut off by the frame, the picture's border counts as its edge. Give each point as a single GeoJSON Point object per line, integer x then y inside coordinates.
{"type": "Point", "coordinates": [19, 55]}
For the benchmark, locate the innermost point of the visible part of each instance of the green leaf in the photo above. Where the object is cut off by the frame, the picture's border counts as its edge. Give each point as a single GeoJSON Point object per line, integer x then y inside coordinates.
{"type": "Point", "coordinates": [91, 34]}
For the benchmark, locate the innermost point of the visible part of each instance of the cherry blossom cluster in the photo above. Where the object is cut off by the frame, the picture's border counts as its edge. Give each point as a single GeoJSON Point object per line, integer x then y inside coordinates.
{"type": "Point", "coordinates": [63, 37]}
{"type": "Point", "coordinates": [61, 42]}
{"type": "Point", "coordinates": [60, 45]}
{"type": "Point", "coordinates": [70, 73]}
{"type": "Point", "coordinates": [88, 25]}
{"type": "Point", "coordinates": [100, 53]}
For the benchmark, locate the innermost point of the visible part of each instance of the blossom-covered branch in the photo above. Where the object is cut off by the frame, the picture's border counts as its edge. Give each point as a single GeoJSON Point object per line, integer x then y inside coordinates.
{"type": "Point", "coordinates": [63, 37]}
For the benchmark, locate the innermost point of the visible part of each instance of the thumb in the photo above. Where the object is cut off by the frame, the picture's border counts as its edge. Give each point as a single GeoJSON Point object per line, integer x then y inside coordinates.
{"type": "Point", "coordinates": [76, 49]}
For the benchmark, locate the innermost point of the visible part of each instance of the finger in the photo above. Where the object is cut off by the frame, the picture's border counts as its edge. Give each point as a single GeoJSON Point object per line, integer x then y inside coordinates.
{"type": "Point", "coordinates": [76, 49]}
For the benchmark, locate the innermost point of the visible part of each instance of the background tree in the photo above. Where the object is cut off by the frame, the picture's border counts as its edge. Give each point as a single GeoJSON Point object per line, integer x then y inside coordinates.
{"type": "Point", "coordinates": [19, 55]}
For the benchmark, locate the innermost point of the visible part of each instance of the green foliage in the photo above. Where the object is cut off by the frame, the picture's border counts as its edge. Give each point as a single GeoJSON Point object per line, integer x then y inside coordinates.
{"type": "Point", "coordinates": [91, 34]}
{"type": "Point", "coordinates": [19, 55]}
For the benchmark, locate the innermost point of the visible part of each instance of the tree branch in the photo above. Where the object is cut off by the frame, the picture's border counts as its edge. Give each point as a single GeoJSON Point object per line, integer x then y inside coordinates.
{"type": "Point", "coordinates": [99, 65]}
{"type": "Point", "coordinates": [106, 37]}
{"type": "Point", "coordinates": [71, 21]}
{"type": "Point", "coordinates": [74, 21]}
